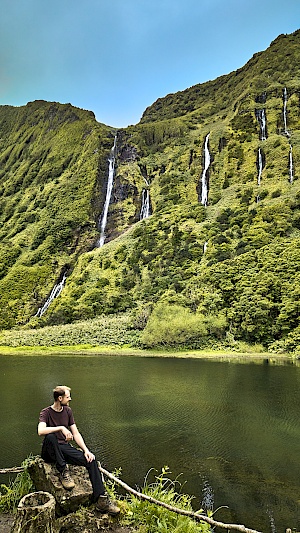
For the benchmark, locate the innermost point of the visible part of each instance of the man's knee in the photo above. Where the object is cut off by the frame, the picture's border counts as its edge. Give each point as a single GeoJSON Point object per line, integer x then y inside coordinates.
{"type": "Point", "coordinates": [50, 438]}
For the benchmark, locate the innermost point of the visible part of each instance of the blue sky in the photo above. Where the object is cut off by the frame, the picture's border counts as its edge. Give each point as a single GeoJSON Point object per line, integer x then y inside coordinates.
{"type": "Point", "coordinates": [116, 57]}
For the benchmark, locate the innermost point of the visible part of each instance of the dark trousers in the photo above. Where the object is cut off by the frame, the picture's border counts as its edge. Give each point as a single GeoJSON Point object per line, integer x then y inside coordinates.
{"type": "Point", "coordinates": [61, 454]}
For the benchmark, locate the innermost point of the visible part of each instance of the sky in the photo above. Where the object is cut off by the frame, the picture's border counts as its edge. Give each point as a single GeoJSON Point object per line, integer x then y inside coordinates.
{"type": "Point", "coordinates": [116, 57]}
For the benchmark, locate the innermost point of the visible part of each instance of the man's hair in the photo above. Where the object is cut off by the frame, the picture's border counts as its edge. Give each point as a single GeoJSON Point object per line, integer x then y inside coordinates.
{"type": "Point", "coordinates": [60, 390]}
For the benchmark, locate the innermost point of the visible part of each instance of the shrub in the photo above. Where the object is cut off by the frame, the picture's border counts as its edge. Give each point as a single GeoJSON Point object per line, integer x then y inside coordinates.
{"type": "Point", "coordinates": [169, 325]}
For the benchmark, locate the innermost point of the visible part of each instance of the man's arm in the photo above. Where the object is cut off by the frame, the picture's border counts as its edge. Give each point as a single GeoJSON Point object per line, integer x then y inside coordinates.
{"type": "Point", "coordinates": [79, 440]}
{"type": "Point", "coordinates": [43, 429]}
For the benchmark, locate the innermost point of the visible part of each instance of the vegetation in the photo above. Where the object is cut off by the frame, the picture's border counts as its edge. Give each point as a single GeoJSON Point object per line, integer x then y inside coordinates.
{"type": "Point", "coordinates": [188, 275]}
{"type": "Point", "coordinates": [150, 518]}
{"type": "Point", "coordinates": [11, 494]}
{"type": "Point", "coordinates": [112, 331]}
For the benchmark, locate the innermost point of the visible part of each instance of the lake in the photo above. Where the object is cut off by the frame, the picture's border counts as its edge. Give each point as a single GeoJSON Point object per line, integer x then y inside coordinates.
{"type": "Point", "coordinates": [231, 430]}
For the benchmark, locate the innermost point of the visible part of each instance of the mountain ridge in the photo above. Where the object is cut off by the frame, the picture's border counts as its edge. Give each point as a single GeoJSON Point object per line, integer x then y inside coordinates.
{"type": "Point", "coordinates": [211, 84]}
{"type": "Point", "coordinates": [189, 260]}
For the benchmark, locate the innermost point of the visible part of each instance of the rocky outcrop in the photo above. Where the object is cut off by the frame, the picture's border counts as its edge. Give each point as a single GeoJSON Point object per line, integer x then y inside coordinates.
{"type": "Point", "coordinates": [128, 154]}
{"type": "Point", "coordinates": [46, 478]}
{"type": "Point", "coordinates": [87, 521]}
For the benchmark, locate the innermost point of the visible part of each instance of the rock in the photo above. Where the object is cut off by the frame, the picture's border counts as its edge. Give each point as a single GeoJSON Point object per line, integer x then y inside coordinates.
{"type": "Point", "coordinates": [46, 478]}
{"type": "Point", "coordinates": [84, 521]}
{"type": "Point", "coordinates": [36, 514]}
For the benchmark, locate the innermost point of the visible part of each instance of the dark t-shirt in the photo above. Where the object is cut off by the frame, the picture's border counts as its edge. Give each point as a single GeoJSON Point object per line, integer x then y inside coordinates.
{"type": "Point", "coordinates": [54, 419]}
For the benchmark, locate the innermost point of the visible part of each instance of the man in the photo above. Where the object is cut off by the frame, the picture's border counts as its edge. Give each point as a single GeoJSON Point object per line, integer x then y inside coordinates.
{"type": "Point", "coordinates": [57, 425]}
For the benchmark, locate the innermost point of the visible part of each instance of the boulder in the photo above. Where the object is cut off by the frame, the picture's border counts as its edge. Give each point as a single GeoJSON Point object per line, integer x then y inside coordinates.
{"type": "Point", "coordinates": [45, 477]}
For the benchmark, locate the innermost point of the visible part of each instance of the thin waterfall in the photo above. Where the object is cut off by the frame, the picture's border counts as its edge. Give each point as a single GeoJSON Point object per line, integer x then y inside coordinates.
{"type": "Point", "coordinates": [286, 132]}
{"type": "Point", "coordinates": [260, 166]}
{"type": "Point", "coordinates": [54, 294]}
{"type": "Point", "coordinates": [205, 247]}
{"type": "Point", "coordinates": [110, 181]}
{"type": "Point", "coordinates": [261, 117]}
{"type": "Point", "coordinates": [204, 179]}
{"type": "Point", "coordinates": [291, 167]}
{"type": "Point", "coordinates": [145, 208]}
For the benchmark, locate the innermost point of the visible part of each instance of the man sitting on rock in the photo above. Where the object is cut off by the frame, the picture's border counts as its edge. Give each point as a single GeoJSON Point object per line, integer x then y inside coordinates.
{"type": "Point", "coordinates": [57, 425]}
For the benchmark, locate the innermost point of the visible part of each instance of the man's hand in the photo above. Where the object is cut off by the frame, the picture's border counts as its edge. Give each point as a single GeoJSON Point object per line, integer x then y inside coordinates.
{"type": "Point", "coordinates": [67, 434]}
{"type": "Point", "coordinates": [89, 456]}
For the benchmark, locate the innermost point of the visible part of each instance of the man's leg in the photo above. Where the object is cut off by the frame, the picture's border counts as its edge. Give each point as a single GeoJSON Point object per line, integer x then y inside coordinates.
{"type": "Point", "coordinates": [76, 457]}
{"type": "Point", "coordinates": [51, 452]}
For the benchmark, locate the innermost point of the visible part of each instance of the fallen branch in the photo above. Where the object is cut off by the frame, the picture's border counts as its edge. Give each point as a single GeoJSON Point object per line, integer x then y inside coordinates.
{"type": "Point", "coordinates": [14, 470]}
{"type": "Point", "coordinates": [196, 516]}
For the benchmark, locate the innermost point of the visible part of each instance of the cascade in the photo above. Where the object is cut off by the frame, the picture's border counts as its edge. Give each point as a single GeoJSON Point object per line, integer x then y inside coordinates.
{"type": "Point", "coordinates": [110, 181]}
{"type": "Point", "coordinates": [145, 209]}
{"type": "Point", "coordinates": [261, 117]}
{"type": "Point", "coordinates": [205, 247]}
{"type": "Point", "coordinates": [284, 112]}
{"type": "Point", "coordinates": [54, 294]}
{"type": "Point", "coordinates": [260, 166]}
{"type": "Point", "coordinates": [291, 168]}
{"type": "Point", "coordinates": [204, 180]}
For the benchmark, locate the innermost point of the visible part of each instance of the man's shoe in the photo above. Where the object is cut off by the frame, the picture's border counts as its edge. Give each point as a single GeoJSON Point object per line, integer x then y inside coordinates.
{"type": "Point", "coordinates": [66, 480]}
{"type": "Point", "coordinates": [105, 505]}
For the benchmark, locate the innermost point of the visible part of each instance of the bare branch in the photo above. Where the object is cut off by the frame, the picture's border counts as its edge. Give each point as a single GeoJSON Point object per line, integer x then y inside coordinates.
{"type": "Point", "coordinates": [14, 470]}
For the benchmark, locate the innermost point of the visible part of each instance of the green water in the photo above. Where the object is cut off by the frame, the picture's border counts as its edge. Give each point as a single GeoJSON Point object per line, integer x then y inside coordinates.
{"type": "Point", "coordinates": [232, 430]}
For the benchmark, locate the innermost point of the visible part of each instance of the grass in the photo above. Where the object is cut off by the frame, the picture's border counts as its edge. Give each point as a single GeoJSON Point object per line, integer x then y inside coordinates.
{"type": "Point", "coordinates": [11, 494]}
{"type": "Point", "coordinates": [92, 351]}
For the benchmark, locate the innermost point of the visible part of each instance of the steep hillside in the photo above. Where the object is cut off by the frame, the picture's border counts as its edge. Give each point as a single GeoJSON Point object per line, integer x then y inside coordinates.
{"type": "Point", "coordinates": [218, 256]}
{"type": "Point", "coordinates": [52, 164]}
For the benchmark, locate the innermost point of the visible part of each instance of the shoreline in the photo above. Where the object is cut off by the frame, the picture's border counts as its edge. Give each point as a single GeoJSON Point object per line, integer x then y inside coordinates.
{"type": "Point", "coordinates": [112, 351]}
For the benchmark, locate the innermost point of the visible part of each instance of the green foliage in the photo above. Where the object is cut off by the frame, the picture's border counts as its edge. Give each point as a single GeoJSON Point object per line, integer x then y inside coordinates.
{"type": "Point", "coordinates": [151, 518]}
{"type": "Point", "coordinates": [11, 495]}
{"type": "Point", "coordinates": [171, 325]}
{"type": "Point", "coordinates": [110, 330]}
{"type": "Point", "coordinates": [288, 344]}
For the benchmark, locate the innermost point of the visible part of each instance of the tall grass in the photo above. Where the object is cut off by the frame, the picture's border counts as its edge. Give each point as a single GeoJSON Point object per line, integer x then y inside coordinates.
{"type": "Point", "coordinates": [11, 494]}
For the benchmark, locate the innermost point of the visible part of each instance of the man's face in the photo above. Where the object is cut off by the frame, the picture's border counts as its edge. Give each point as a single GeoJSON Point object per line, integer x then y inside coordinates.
{"type": "Point", "coordinates": [64, 400]}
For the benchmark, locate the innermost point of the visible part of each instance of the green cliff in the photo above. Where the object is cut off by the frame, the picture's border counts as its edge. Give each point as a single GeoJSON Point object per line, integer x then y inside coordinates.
{"type": "Point", "coordinates": [193, 273]}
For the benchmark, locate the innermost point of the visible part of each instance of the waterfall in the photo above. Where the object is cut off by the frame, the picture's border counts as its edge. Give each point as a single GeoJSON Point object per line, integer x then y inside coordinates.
{"type": "Point", "coordinates": [204, 180]}
{"type": "Point", "coordinates": [291, 169]}
{"type": "Point", "coordinates": [284, 112]}
{"type": "Point", "coordinates": [261, 117]}
{"type": "Point", "coordinates": [205, 247]}
{"type": "Point", "coordinates": [54, 294]}
{"type": "Point", "coordinates": [260, 166]}
{"type": "Point", "coordinates": [111, 171]}
{"type": "Point", "coordinates": [145, 209]}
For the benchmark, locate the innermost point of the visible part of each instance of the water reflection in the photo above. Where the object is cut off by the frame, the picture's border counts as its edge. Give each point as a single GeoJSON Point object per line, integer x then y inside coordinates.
{"type": "Point", "coordinates": [232, 430]}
